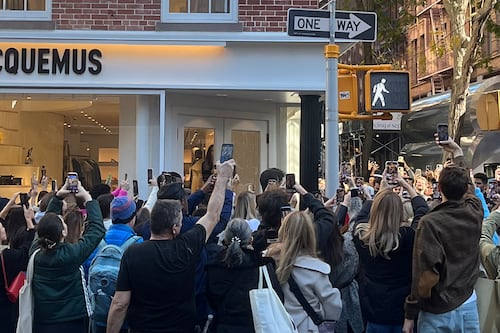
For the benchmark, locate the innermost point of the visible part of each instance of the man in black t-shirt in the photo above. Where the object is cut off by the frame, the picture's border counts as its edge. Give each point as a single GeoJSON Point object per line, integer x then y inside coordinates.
{"type": "Point", "coordinates": [155, 285]}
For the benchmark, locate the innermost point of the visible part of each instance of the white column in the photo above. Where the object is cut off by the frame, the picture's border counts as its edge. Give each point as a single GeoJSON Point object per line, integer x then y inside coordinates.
{"type": "Point", "coordinates": [143, 151]}
{"type": "Point", "coordinates": [127, 139]}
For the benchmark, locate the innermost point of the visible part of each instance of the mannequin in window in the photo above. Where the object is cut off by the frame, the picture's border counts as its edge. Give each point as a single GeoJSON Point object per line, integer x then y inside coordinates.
{"type": "Point", "coordinates": [208, 164]}
{"type": "Point", "coordinates": [196, 171]}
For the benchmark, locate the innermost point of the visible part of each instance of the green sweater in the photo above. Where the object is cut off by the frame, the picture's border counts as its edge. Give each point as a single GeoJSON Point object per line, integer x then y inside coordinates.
{"type": "Point", "coordinates": [57, 280]}
{"type": "Point", "coordinates": [490, 253]}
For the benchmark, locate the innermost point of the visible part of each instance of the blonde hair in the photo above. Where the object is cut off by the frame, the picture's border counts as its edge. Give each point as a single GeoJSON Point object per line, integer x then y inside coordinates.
{"type": "Point", "coordinates": [297, 237]}
{"type": "Point", "coordinates": [381, 233]}
{"type": "Point", "coordinates": [246, 206]}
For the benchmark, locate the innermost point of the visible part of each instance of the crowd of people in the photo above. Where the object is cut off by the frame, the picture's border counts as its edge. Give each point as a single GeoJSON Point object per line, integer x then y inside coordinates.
{"type": "Point", "coordinates": [398, 253]}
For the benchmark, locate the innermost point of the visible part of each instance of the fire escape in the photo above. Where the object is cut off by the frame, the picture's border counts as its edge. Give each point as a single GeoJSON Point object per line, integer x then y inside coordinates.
{"type": "Point", "coordinates": [430, 57]}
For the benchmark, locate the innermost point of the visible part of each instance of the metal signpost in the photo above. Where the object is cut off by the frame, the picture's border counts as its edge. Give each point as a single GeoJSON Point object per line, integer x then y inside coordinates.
{"type": "Point", "coordinates": [345, 27]}
{"type": "Point", "coordinates": [332, 160]}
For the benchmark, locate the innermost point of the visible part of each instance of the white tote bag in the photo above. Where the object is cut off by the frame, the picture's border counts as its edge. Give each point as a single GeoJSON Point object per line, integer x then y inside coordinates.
{"type": "Point", "coordinates": [25, 320]}
{"type": "Point", "coordinates": [269, 314]}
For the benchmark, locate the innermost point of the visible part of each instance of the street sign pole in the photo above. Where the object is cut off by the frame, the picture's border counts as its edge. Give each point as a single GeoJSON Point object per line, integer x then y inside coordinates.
{"type": "Point", "coordinates": [332, 163]}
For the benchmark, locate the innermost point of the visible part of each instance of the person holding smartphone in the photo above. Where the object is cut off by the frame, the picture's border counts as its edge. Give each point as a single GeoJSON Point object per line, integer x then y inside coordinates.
{"type": "Point", "coordinates": [384, 243]}
{"type": "Point", "coordinates": [59, 299]}
{"type": "Point", "coordinates": [444, 274]}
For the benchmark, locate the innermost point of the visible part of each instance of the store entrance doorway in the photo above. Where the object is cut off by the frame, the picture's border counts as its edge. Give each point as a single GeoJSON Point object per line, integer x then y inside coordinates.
{"type": "Point", "coordinates": [202, 144]}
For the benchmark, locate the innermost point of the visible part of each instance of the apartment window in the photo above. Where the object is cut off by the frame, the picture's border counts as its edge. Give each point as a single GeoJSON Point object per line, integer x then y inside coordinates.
{"type": "Point", "coordinates": [26, 10]}
{"type": "Point", "coordinates": [190, 11]}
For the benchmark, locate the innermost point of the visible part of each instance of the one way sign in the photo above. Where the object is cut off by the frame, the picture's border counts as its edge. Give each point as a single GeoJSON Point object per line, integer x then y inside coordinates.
{"type": "Point", "coordinates": [349, 26]}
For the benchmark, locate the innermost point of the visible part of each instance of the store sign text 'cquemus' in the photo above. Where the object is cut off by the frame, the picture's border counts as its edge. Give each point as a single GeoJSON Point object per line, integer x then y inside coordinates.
{"type": "Point", "coordinates": [50, 61]}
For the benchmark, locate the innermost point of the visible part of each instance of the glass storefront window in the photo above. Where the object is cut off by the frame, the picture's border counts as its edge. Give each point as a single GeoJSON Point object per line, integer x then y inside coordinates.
{"type": "Point", "coordinates": [26, 9]}
{"type": "Point", "coordinates": [81, 133]}
{"type": "Point", "coordinates": [199, 11]}
{"type": "Point", "coordinates": [199, 159]}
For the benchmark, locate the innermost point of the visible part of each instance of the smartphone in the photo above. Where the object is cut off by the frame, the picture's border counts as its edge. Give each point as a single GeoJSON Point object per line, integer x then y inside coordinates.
{"type": "Point", "coordinates": [418, 172]}
{"type": "Point", "coordinates": [24, 199]}
{"type": "Point", "coordinates": [442, 131]}
{"type": "Point", "coordinates": [340, 195]}
{"type": "Point", "coordinates": [226, 152]}
{"type": "Point", "coordinates": [135, 187]}
{"type": "Point", "coordinates": [428, 167]}
{"type": "Point", "coordinates": [53, 185]}
{"type": "Point", "coordinates": [290, 181]}
{"type": "Point", "coordinates": [401, 161]}
{"type": "Point", "coordinates": [354, 192]}
{"type": "Point", "coordinates": [391, 172]}
{"type": "Point", "coordinates": [439, 167]}
{"type": "Point", "coordinates": [73, 182]}
{"type": "Point", "coordinates": [150, 175]}
{"type": "Point", "coordinates": [401, 171]}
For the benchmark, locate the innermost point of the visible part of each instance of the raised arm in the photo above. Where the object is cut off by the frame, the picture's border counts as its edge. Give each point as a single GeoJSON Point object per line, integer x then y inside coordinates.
{"type": "Point", "coordinates": [214, 208]}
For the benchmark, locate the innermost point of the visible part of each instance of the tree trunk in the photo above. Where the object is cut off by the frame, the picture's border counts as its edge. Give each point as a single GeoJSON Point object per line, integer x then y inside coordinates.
{"type": "Point", "coordinates": [465, 49]}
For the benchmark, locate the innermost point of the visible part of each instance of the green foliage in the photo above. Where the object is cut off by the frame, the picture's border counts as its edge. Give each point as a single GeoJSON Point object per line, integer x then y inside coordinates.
{"type": "Point", "coordinates": [394, 18]}
{"type": "Point", "coordinates": [492, 26]}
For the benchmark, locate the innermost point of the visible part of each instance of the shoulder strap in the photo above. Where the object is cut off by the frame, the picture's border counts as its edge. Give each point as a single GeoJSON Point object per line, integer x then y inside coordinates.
{"type": "Point", "coordinates": [129, 242]}
{"type": "Point", "coordinates": [302, 300]}
{"type": "Point", "coordinates": [31, 263]}
{"type": "Point", "coordinates": [4, 273]}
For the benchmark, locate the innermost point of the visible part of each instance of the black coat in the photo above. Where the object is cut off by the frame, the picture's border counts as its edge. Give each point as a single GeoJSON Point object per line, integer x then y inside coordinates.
{"type": "Point", "coordinates": [228, 290]}
{"type": "Point", "coordinates": [384, 284]}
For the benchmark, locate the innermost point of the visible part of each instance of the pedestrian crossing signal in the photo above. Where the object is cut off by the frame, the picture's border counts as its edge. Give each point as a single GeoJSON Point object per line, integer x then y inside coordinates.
{"type": "Point", "coordinates": [387, 91]}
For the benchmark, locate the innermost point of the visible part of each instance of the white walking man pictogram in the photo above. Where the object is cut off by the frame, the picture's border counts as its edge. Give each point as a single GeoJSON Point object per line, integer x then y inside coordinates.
{"type": "Point", "coordinates": [378, 89]}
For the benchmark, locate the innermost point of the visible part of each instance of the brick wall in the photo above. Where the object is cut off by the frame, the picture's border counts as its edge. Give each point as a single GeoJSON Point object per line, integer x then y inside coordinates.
{"type": "Point", "coordinates": [142, 15]}
{"type": "Point", "coordinates": [269, 15]}
{"type": "Point", "coordinates": [106, 14]}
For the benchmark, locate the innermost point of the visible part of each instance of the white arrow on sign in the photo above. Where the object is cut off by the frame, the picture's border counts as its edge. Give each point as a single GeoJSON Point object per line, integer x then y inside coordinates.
{"type": "Point", "coordinates": [354, 26]}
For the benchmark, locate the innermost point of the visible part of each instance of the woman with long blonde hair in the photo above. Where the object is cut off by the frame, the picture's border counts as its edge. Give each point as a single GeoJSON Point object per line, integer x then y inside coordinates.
{"type": "Point", "coordinates": [246, 208]}
{"type": "Point", "coordinates": [296, 256]}
{"type": "Point", "coordinates": [385, 244]}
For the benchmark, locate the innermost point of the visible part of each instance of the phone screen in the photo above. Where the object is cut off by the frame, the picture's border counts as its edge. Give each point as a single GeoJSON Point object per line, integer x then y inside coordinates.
{"type": "Point", "coordinates": [340, 195]}
{"type": "Point", "coordinates": [442, 132]}
{"type": "Point", "coordinates": [24, 199]}
{"type": "Point", "coordinates": [73, 182]}
{"type": "Point", "coordinates": [150, 175]}
{"type": "Point", "coordinates": [135, 187]}
{"type": "Point", "coordinates": [226, 152]}
{"type": "Point", "coordinates": [391, 172]}
{"type": "Point", "coordinates": [290, 181]}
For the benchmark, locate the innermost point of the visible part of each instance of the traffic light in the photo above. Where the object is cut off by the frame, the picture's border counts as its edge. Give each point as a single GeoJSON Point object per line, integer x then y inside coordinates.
{"type": "Point", "coordinates": [488, 111]}
{"type": "Point", "coordinates": [348, 93]}
{"type": "Point", "coordinates": [387, 90]}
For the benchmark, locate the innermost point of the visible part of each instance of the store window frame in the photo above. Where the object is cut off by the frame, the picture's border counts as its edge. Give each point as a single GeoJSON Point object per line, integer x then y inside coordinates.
{"type": "Point", "coordinates": [26, 14]}
{"type": "Point", "coordinates": [168, 17]}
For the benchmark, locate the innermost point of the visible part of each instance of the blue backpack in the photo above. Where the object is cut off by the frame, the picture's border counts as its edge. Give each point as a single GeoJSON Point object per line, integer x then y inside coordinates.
{"type": "Point", "coordinates": [103, 273]}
